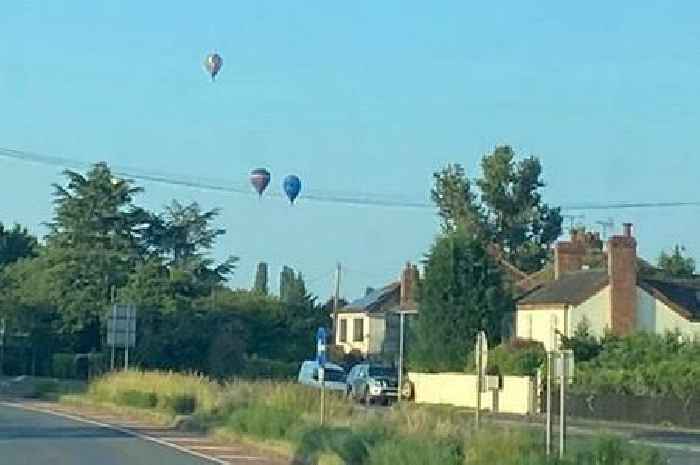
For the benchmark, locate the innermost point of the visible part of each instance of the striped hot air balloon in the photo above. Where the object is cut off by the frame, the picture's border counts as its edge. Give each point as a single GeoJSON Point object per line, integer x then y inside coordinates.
{"type": "Point", "coordinates": [260, 178]}
{"type": "Point", "coordinates": [213, 63]}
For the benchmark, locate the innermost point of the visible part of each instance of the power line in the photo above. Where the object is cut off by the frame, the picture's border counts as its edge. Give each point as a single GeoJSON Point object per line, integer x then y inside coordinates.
{"type": "Point", "coordinates": [353, 199]}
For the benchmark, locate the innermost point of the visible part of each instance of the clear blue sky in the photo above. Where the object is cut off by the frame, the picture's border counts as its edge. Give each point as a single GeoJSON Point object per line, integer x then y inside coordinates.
{"type": "Point", "coordinates": [361, 96]}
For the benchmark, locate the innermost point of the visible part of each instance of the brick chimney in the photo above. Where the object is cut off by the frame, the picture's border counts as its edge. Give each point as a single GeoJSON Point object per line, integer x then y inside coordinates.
{"type": "Point", "coordinates": [409, 280]}
{"type": "Point", "coordinates": [622, 270]}
{"type": "Point", "coordinates": [568, 256]}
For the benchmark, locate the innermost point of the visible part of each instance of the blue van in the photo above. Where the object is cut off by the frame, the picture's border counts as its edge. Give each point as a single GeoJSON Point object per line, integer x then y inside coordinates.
{"type": "Point", "coordinates": [334, 376]}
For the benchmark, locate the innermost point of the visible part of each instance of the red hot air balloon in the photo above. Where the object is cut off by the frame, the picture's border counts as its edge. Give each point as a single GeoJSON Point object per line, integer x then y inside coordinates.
{"type": "Point", "coordinates": [260, 178]}
{"type": "Point", "coordinates": [213, 63]}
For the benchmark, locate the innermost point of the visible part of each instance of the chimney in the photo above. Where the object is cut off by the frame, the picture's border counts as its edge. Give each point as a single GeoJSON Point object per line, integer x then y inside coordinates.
{"type": "Point", "coordinates": [622, 272]}
{"type": "Point", "coordinates": [568, 256]}
{"type": "Point", "coordinates": [409, 280]}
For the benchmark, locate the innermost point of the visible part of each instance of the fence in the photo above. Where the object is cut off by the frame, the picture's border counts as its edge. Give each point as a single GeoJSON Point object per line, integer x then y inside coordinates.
{"type": "Point", "coordinates": [632, 409]}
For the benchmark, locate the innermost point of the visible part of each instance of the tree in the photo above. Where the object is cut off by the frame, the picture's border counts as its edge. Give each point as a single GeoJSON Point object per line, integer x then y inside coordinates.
{"type": "Point", "coordinates": [509, 211]}
{"type": "Point", "coordinates": [457, 205]}
{"type": "Point", "coordinates": [15, 244]}
{"type": "Point", "coordinates": [260, 286]}
{"type": "Point", "coordinates": [521, 223]}
{"type": "Point", "coordinates": [676, 265]}
{"type": "Point", "coordinates": [286, 283]}
{"type": "Point", "coordinates": [462, 292]}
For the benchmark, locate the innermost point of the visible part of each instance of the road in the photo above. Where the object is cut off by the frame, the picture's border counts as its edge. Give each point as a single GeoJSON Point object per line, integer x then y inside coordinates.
{"type": "Point", "coordinates": [31, 438]}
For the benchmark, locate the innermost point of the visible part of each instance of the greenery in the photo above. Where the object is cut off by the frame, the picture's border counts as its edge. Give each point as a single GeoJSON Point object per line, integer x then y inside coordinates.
{"type": "Point", "coordinates": [517, 358]}
{"type": "Point", "coordinates": [676, 264]}
{"type": "Point", "coordinates": [508, 212]}
{"type": "Point", "coordinates": [407, 434]}
{"type": "Point", "coordinates": [461, 293]}
{"type": "Point", "coordinates": [101, 244]}
{"type": "Point", "coordinates": [643, 364]}
{"type": "Point", "coordinates": [63, 366]}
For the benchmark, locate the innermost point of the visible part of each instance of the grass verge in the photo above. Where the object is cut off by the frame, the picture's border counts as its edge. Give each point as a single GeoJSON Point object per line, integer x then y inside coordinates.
{"type": "Point", "coordinates": [283, 418]}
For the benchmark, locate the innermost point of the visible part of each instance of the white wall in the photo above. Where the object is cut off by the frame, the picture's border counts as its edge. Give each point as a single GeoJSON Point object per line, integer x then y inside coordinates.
{"type": "Point", "coordinates": [516, 396]}
{"type": "Point", "coordinates": [595, 311]}
{"type": "Point", "coordinates": [655, 316]}
{"type": "Point", "coordinates": [374, 329]}
{"type": "Point", "coordinates": [536, 323]}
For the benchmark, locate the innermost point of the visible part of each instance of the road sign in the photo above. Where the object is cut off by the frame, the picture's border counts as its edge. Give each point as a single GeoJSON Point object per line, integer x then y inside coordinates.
{"type": "Point", "coordinates": [321, 336]}
{"type": "Point", "coordinates": [564, 361]}
{"type": "Point", "coordinates": [121, 326]}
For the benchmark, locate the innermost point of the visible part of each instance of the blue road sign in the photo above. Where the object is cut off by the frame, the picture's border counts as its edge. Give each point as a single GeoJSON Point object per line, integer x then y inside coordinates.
{"type": "Point", "coordinates": [321, 346]}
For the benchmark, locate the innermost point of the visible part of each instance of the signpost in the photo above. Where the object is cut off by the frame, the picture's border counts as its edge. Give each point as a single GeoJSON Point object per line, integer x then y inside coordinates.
{"type": "Point", "coordinates": [481, 353]}
{"type": "Point", "coordinates": [121, 330]}
{"type": "Point", "coordinates": [321, 336]}
{"type": "Point", "coordinates": [2, 345]}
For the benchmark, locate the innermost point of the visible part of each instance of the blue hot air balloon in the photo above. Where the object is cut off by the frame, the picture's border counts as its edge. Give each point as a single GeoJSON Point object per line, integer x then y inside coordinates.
{"type": "Point", "coordinates": [260, 178]}
{"type": "Point", "coordinates": [292, 187]}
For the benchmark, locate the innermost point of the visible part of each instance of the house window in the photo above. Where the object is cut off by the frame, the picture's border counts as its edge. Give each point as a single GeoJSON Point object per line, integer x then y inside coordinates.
{"type": "Point", "coordinates": [343, 330]}
{"type": "Point", "coordinates": [358, 329]}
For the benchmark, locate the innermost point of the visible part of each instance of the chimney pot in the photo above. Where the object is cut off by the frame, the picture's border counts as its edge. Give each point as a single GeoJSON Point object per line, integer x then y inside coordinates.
{"type": "Point", "coordinates": [627, 229]}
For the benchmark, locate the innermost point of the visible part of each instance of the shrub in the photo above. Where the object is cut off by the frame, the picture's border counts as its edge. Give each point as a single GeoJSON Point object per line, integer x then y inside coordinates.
{"type": "Point", "coordinates": [261, 368]}
{"type": "Point", "coordinates": [180, 404]}
{"type": "Point", "coordinates": [45, 388]}
{"type": "Point", "coordinates": [410, 451]}
{"type": "Point", "coordinates": [139, 399]}
{"type": "Point", "coordinates": [264, 422]}
{"type": "Point", "coordinates": [516, 358]}
{"type": "Point", "coordinates": [62, 366]}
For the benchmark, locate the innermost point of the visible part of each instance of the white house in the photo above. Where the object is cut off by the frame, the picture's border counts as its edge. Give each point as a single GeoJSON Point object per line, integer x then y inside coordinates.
{"type": "Point", "coordinates": [370, 325]}
{"type": "Point", "coordinates": [616, 299]}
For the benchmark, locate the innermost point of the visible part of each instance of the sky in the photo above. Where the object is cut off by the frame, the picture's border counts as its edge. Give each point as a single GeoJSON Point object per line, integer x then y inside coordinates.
{"type": "Point", "coordinates": [363, 97]}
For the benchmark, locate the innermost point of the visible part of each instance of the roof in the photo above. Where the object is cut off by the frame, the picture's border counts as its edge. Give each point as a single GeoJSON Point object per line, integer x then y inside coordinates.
{"type": "Point", "coordinates": [375, 300]}
{"type": "Point", "coordinates": [571, 288]}
{"type": "Point", "coordinates": [682, 295]}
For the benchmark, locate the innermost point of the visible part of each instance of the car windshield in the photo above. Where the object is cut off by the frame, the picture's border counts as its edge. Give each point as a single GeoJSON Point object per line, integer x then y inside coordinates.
{"type": "Point", "coordinates": [381, 371]}
{"type": "Point", "coordinates": [335, 375]}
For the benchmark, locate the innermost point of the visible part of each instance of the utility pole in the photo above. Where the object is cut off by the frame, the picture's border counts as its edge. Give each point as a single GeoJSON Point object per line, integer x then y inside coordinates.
{"type": "Point", "coordinates": [336, 298]}
{"type": "Point", "coordinates": [548, 425]}
{"type": "Point", "coordinates": [2, 345]}
{"type": "Point", "coordinates": [114, 325]}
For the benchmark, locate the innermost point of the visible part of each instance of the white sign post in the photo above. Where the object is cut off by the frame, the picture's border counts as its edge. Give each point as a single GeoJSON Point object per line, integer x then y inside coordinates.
{"type": "Point", "coordinates": [481, 352]}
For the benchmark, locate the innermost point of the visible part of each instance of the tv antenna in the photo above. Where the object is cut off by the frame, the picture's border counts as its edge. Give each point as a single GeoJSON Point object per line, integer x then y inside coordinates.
{"type": "Point", "coordinates": [606, 224]}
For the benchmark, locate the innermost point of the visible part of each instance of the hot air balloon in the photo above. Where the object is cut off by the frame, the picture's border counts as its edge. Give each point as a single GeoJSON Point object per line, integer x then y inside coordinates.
{"type": "Point", "coordinates": [292, 187]}
{"type": "Point", "coordinates": [260, 178]}
{"type": "Point", "coordinates": [212, 64]}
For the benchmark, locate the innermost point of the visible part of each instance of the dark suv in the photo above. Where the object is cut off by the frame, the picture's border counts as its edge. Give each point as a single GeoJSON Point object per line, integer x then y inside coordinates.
{"type": "Point", "coordinates": [372, 383]}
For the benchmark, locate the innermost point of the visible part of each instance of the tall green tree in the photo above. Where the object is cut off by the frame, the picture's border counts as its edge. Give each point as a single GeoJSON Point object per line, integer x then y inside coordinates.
{"type": "Point", "coordinates": [676, 264]}
{"type": "Point", "coordinates": [520, 221]}
{"type": "Point", "coordinates": [95, 239]}
{"type": "Point", "coordinates": [509, 211]}
{"type": "Point", "coordinates": [261, 279]}
{"type": "Point", "coordinates": [461, 293]}
{"type": "Point", "coordinates": [16, 243]}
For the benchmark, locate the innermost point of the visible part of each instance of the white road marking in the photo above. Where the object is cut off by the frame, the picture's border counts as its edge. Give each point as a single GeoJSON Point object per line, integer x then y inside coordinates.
{"type": "Point", "coordinates": [238, 457]}
{"type": "Point", "coordinates": [121, 430]}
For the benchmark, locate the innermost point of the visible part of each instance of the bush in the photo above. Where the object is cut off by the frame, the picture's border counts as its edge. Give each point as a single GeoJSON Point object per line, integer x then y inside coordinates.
{"type": "Point", "coordinates": [63, 366]}
{"type": "Point", "coordinates": [261, 368]}
{"type": "Point", "coordinates": [45, 388]}
{"type": "Point", "coordinates": [264, 422]}
{"type": "Point", "coordinates": [180, 404]}
{"type": "Point", "coordinates": [410, 451]}
{"type": "Point", "coordinates": [138, 399]}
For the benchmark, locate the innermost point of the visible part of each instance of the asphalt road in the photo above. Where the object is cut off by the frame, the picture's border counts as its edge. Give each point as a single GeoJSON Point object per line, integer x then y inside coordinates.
{"type": "Point", "coordinates": [31, 438]}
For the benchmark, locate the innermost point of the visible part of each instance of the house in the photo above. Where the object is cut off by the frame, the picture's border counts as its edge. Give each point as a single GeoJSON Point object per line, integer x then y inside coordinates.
{"type": "Point", "coordinates": [616, 298]}
{"type": "Point", "coordinates": [370, 325]}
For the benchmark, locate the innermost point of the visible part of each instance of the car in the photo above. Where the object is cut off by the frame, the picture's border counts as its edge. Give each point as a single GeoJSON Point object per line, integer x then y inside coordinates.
{"type": "Point", "coordinates": [334, 376]}
{"type": "Point", "coordinates": [372, 383]}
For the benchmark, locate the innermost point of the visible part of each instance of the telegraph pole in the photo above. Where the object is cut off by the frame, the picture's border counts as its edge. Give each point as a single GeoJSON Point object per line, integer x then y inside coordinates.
{"type": "Point", "coordinates": [114, 327]}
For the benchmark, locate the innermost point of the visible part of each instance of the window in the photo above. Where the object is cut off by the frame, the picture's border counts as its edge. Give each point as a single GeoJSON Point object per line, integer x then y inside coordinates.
{"type": "Point", "coordinates": [358, 329]}
{"type": "Point", "coordinates": [343, 330]}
